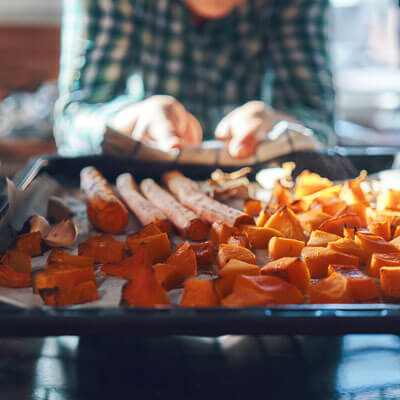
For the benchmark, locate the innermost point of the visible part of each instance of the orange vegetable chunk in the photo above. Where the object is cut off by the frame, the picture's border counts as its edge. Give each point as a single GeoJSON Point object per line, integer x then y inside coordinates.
{"type": "Point", "coordinates": [157, 246]}
{"type": "Point", "coordinates": [362, 287]}
{"type": "Point", "coordinates": [259, 237]}
{"type": "Point", "coordinates": [371, 243]}
{"type": "Point", "coordinates": [61, 257]}
{"type": "Point", "coordinates": [290, 269]}
{"type": "Point", "coordinates": [349, 233]}
{"type": "Point", "coordinates": [226, 252]}
{"type": "Point", "coordinates": [247, 298]}
{"type": "Point", "coordinates": [390, 281]}
{"type": "Point", "coordinates": [62, 277]}
{"type": "Point", "coordinates": [312, 220]}
{"type": "Point", "coordinates": [168, 276]}
{"type": "Point", "coordinates": [380, 227]}
{"type": "Point", "coordinates": [333, 289]}
{"type": "Point", "coordinates": [318, 260]}
{"type": "Point", "coordinates": [144, 290]}
{"type": "Point", "coordinates": [359, 209]}
{"type": "Point", "coordinates": [280, 291]}
{"type": "Point", "coordinates": [286, 222]}
{"type": "Point", "coordinates": [263, 218]}
{"type": "Point", "coordinates": [280, 197]}
{"type": "Point", "coordinates": [148, 230]}
{"type": "Point", "coordinates": [13, 279]}
{"type": "Point", "coordinates": [83, 292]}
{"type": "Point", "coordinates": [239, 239]}
{"type": "Point", "coordinates": [228, 274]}
{"type": "Point", "coordinates": [17, 260]}
{"type": "Point", "coordinates": [199, 293]}
{"type": "Point", "coordinates": [127, 268]}
{"type": "Point", "coordinates": [379, 260]}
{"type": "Point", "coordinates": [282, 247]}
{"type": "Point", "coordinates": [335, 225]}
{"type": "Point", "coordinates": [102, 248]}
{"type": "Point", "coordinates": [29, 243]}
{"type": "Point", "coordinates": [308, 183]}
{"type": "Point", "coordinates": [220, 233]}
{"type": "Point", "coordinates": [321, 239]}
{"type": "Point", "coordinates": [204, 252]}
{"type": "Point", "coordinates": [185, 259]}
{"type": "Point", "coordinates": [253, 207]}
{"type": "Point", "coordinates": [347, 246]}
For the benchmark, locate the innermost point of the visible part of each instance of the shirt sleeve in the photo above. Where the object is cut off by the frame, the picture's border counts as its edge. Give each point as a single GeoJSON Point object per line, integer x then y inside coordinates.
{"type": "Point", "coordinates": [97, 38]}
{"type": "Point", "coordinates": [298, 44]}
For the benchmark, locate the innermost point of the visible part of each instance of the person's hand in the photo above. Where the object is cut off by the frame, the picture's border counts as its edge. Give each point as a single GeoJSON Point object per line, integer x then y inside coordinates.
{"type": "Point", "coordinates": [160, 121]}
{"type": "Point", "coordinates": [246, 126]}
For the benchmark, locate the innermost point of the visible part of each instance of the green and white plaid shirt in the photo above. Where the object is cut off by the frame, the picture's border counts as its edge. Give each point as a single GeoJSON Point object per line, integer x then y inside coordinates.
{"type": "Point", "coordinates": [117, 52]}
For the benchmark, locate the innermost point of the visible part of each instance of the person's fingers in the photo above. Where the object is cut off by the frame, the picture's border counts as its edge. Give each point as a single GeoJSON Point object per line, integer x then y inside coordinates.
{"type": "Point", "coordinates": [193, 135]}
{"type": "Point", "coordinates": [245, 137]}
{"type": "Point", "coordinates": [223, 131]}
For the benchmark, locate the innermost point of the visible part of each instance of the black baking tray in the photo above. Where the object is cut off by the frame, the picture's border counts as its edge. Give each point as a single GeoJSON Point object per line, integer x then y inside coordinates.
{"type": "Point", "coordinates": [290, 320]}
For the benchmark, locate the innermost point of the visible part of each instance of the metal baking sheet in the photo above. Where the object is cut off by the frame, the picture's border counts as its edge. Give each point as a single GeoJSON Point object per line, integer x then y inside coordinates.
{"type": "Point", "coordinates": [300, 319]}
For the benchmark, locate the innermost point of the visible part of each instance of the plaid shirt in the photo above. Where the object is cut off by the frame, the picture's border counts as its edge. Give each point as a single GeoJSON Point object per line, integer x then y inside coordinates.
{"type": "Point", "coordinates": [117, 52]}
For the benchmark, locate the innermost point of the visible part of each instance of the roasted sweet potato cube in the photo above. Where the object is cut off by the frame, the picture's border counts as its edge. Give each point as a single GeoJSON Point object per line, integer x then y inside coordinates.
{"type": "Point", "coordinates": [103, 249]}
{"type": "Point", "coordinates": [144, 290]}
{"type": "Point", "coordinates": [333, 289]}
{"type": "Point", "coordinates": [62, 276]}
{"type": "Point", "coordinates": [253, 207]}
{"type": "Point", "coordinates": [371, 243]}
{"type": "Point", "coordinates": [280, 197]}
{"type": "Point", "coordinates": [203, 251]}
{"type": "Point", "coordinates": [239, 239]}
{"type": "Point", "coordinates": [396, 232]}
{"type": "Point", "coordinates": [259, 237]}
{"type": "Point", "coordinates": [185, 259]}
{"type": "Point", "coordinates": [321, 239]}
{"type": "Point", "coordinates": [388, 200]}
{"type": "Point", "coordinates": [168, 276]}
{"type": "Point", "coordinates": [328, 205]}
{"type": "Point", "coordinates": [290, 269]}
{"type": "Point", "coordinates": [157, 246]}
{"type": "Point", "coordinates": [148, 230]}
{"type": "Point", "coordinates": [228, 274]}
{"type": "Point", "coordinates": [318, 260]}
{"type": "Point", "coordinates": [227, 252]}
{"type": "Point", "coordinates": [379, 260]}
{"type": "Point", "coordinates": [220, 233]}
{"type": "Point", "coordinates": [199, 293]}
{"type": "Point", "coordinates": [390, 281]}
{"type": "Point", "coordinates": [380, 227]}
{"type": "Point", "coordinates": [312, 220]}
{"type": "Point", "coordinates": [349, 233]}
{"type": "Point", "coordinates": [59, 296]}
{"type": "Point", "coordinates": [127, 268]}
{"type": "Point", "coordinates": [308, 183]}
{"type": "Point", "coordinates": [30, 243]}
{"type": "Point", "coordinates": [347, 246]}
{"type": "Point", "coordinates": [286, 222]}
{"type": "Point", "coordinates": [359, 209]}
{"type": "Point", "coordinates": [283, 247]}
{"type": "Point", "coordinates": [335, 225]}
{"type": "Point", "coordinates": [353, 192]}
{"type": "Point", "coordinates": [13, 279]}
{"type": "Point", "coordinates": [247, 298]}
{"type": "Point", "coordinates": [279, 290]}
{"type": "Point", "coordinates": [362, 287]}
{"type": "Point", "coordinates": [61, 257]}
{"type": "Point", "coordinates": [17, 260]}
{"type": "Point", "coordinates": [263, 218]}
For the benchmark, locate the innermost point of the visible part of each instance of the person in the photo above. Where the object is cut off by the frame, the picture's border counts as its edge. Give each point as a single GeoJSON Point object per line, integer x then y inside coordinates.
{"type": "Point", "coordinates": [175, 72]}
